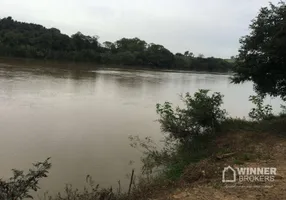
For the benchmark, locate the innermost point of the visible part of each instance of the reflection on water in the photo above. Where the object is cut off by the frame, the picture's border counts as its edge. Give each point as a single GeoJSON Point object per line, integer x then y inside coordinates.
{"type": "Point", "coordinates": [82, 118]}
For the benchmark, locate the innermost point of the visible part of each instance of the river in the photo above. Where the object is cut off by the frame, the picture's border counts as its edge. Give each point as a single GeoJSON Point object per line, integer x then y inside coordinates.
{"type": "Point", "coordinates": [82, 118]}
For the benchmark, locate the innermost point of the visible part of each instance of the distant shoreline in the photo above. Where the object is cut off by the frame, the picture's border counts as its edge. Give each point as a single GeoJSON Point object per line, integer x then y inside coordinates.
{"type": "Point", "coordinates": [34, 41]}
{"type": "Point", "coordinates": [9, 61]}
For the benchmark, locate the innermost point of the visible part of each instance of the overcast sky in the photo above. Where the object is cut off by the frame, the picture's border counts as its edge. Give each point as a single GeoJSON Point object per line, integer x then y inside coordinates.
{"type": "Point", "coordinates": [210, 27]}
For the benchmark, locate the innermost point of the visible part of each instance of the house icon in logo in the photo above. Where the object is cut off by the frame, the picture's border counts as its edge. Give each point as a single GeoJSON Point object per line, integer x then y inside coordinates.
{"type": "Point", "coordinates": [229, 170]}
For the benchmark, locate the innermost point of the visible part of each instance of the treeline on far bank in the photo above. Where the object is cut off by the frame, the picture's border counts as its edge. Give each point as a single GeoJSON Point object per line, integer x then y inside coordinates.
{"type": "Point", "coordinates": [27, 40]}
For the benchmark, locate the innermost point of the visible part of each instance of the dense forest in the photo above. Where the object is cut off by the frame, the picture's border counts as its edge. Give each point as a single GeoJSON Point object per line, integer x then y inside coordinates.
{"type": "Point", "coordinates": [27, 40]}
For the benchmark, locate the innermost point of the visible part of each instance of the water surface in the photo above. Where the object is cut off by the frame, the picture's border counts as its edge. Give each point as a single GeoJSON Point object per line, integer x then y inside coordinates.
{"type": "Point", "coordinates": [82, 119]}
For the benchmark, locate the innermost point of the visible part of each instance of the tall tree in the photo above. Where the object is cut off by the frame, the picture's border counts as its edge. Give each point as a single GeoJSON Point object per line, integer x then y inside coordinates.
{"type": "Point", "coordinates": [262, 55]}
{"type": "Point", "coordinates": [18, 39]}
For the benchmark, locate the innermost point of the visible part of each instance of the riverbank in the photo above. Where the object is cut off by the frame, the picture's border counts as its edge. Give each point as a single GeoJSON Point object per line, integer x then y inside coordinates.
{"type": "Point", "coordinates": [28, 40]}
{"type": "Point", "coordinates": [6, 61]}
{"type": "Point", "coordinates": [240, 144]}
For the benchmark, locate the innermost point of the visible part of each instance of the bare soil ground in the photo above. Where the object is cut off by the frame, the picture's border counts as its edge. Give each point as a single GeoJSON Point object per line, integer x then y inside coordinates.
{"type": "Point", "coordinates": [203, 181]}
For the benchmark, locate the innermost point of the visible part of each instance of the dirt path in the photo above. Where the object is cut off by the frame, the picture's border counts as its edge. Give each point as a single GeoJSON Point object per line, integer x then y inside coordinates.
{"type": "Point", "coordinates": [215, 190]}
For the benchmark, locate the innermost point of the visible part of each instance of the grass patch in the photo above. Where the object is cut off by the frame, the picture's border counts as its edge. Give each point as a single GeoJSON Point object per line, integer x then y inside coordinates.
{"type": "Point", "coordinates": [275, 125]}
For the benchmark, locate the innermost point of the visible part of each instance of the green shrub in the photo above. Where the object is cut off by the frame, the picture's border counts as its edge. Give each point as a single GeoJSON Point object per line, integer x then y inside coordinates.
{"type": "Point", "coordinates": [19, 186]}
{"type": "Point", "coordinates": [261, 111]}
{"type": "Point", "coordinates": [202, 115]}
{"type": "Point", "coordinates": [188, 137]}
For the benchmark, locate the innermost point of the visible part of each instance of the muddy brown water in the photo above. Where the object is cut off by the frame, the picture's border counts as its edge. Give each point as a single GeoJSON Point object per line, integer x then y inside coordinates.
{"type": "Point", "coordinates": [82, 118]}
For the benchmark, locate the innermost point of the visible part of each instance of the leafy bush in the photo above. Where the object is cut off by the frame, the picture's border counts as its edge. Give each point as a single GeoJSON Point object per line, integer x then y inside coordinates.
{"type": "Point", "coordinates": [154, 155]}
{"type": "Point", "coordinates": [202, 115]}
{"type": "Point", "coordinates": [261, 111]}
{"type": "Point", "coordinates": [19, 186]}
{"type": "Point", "coordinates": [189, 130]}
